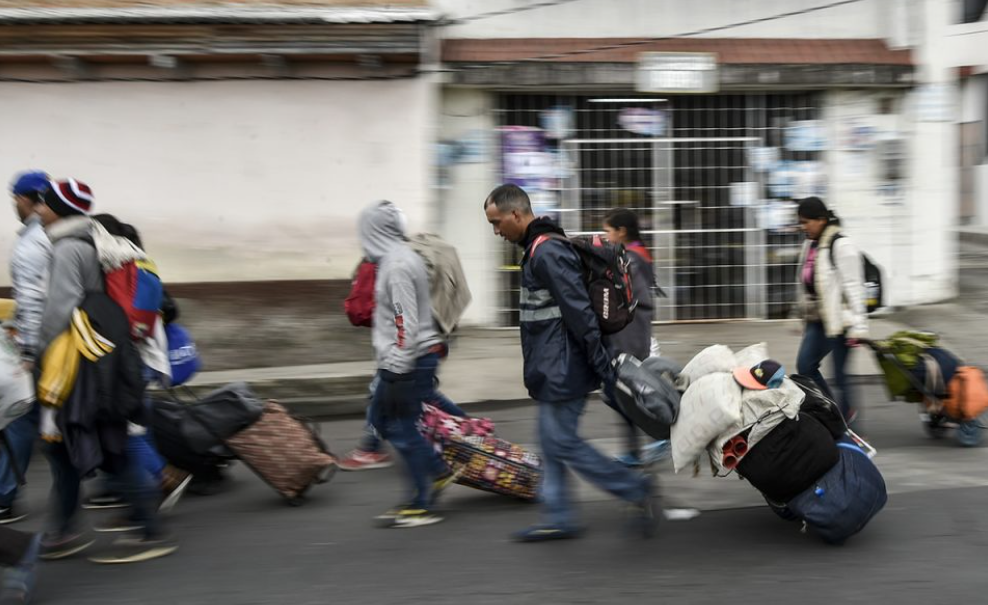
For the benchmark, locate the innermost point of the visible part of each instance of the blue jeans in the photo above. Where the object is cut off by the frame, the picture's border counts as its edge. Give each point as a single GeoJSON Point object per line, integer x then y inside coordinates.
{"type": "Point", "coordinates": [563, 447]}
{"type": "Point", "coordinates": [63, 501]}
{"type": "Point", "coordinates": [140, 487]}
{"type": "Point", "coordinates": [21, 434]}
{"type": "Point", "coordinates": [814, 347]}
{"type": "Point", "coordinates": [372, 440]}
{"type": "Point", "coordinates": [398, 426]}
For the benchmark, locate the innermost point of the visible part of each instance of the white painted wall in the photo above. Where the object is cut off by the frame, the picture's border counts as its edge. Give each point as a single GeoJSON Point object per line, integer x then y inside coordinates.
{"type": "Point", "coordinates": [230, 181]}
{"type": "Point", "coordinates": [933, 166]}
{"type": "Point", "coordinates": [466, 114]}
{"type": "Point", "coordinates": [650, 18]}
{"type": "Point", "coordinates": [974, 108]}
{"type": "Point", "coordinates": [880, 224]}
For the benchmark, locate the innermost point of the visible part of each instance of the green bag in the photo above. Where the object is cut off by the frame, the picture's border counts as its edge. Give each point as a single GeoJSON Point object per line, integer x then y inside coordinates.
{"type": "Point", "coordinates": [907, 346]}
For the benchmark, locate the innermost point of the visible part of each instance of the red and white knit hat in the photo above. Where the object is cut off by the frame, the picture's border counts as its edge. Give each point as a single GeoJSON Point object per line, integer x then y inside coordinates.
{"type": "Point", "coordinates": [69, 197]}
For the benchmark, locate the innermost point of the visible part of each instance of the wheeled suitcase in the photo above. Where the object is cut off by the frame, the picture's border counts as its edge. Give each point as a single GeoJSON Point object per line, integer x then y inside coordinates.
{"type": "Point", "coordinates": [285, 452]}
{"type": "Point", "coordinates": [841, 502]}
{"type": "Point", "coordinates": [494, 465]}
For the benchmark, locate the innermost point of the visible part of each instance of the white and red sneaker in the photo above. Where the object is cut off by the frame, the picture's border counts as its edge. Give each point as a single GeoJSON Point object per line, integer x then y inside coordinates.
{"type": "Point", "coordinates": [360, 460]}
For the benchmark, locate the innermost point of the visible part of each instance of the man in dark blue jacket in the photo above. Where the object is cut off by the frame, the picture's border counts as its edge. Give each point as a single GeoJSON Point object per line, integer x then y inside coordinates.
{"type": "Point", "coordinates": [565, 360]}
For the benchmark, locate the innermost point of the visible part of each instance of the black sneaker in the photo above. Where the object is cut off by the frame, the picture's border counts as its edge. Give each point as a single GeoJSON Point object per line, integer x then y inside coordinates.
{"type": "Point", "coordinates": [104, 502]}
{"type": "Point", "coordinates": [136, 550]}
{"type": "Point", "coordinates": [18, 581]}
{"type": "Point", "coordinates": [61, 546]}
{"type": "Point", "coordinates": [545, 533]}
{"type": "Point", "coordinates": [9, 515]}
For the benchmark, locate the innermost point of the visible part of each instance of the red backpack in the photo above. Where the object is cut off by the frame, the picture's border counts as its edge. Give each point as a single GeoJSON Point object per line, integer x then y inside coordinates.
{"type": "Point", "coordinates": [359, 304]}
{"type": "Point", "coordinates": [136, 287]}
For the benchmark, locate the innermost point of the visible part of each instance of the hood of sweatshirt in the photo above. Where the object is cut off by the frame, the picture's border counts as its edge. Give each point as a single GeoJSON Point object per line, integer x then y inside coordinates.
{"type": "Point", "coordinates": [70, 226]}
{"type": "Point", "coordinates": [381, 227]}
{"type": "Point", "coordinates": [540, 226]}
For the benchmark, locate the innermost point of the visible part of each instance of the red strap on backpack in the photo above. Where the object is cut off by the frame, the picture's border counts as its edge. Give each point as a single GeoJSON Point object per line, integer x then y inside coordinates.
{"type": "Point", "coordinates": [639, 249]}
{"type": "Point", "coordinates": [359, 304]}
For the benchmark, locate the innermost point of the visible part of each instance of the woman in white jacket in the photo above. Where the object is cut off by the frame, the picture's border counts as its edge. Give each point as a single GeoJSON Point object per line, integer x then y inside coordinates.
{"type": "Point", "coordinates": [831, 298]}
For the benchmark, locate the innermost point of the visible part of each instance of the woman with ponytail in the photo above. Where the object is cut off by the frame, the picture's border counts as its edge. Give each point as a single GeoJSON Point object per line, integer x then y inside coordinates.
{"type": "Point", "coordinates": [831, 298]}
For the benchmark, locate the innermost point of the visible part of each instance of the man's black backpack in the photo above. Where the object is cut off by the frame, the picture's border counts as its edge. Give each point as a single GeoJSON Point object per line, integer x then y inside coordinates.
{"type": "Point", "coordinates": [872, 278]}
{"type": "Point", "coordinates": [606, 275]}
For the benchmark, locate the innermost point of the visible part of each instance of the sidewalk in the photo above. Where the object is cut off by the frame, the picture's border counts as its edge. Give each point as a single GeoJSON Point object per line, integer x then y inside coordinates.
{"type": "Point", "coordinates": [485, 365]}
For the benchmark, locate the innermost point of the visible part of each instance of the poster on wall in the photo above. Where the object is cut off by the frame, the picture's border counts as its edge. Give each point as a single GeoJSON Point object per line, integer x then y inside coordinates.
{"type": "Point", "coordinates": [806, 135]}
{"type": "Point", "coordinates": [781, 179]}
{"type": "Point", "coordinates": [763, 159]}
{"type": "Point", "coordinates": [644, 121]}
{"type": "Point", "coordinates": [796, 180]}
{"type": "Point", "coordinates": [857, 134]}
{"type": "Point", "coordinates": [526, 161]}
{"type": "Point", "coordinates": [808, 179]}
{"type": "Point", "coordinates": [558, 122]}
{"type": "Point", "coordinates": [776, 215]}
{"type": "Point", "coordinates": [744, 194]}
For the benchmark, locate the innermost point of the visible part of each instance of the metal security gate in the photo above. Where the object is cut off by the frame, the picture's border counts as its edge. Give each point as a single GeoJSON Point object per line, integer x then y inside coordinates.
{"type": "Point", "coordinates": [696, 176]}
{"type": "Point", "coordinates": [709, 255]}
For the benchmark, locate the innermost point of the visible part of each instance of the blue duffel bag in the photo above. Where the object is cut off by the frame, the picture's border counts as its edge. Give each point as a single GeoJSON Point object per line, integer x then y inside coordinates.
{"type": "Point", "coordinates": [845, 498]}
{"type": "Point", "coordinates": [182, 354]}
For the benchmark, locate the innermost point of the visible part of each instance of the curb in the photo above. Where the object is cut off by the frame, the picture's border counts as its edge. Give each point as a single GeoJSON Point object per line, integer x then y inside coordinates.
{"type": "Point", "coordinates": [309, 398]}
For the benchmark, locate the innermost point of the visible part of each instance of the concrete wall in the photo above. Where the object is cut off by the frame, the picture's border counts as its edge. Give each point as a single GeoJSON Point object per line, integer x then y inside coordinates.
{"type": "Point", "coordinates": [468, 117]}
{"type": "Point", "coordinates": [875, 214]}
{"type": "Point", "coordinates": [974, 108]}
{"type": "Point", "coordinates": [931, 110]}
{"type": "Point", "coordinates": [230, 181]}
{"type": "Point", "coordinates": [647, 18]}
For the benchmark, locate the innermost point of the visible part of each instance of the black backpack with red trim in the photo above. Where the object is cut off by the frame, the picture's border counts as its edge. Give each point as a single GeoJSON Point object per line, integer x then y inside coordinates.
{"type": "Point", "coordinates": [606, 274]}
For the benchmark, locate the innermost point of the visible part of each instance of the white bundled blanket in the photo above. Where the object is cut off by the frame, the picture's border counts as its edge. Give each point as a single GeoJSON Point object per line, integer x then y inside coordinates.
{"type": "Point", "coordinates": [714, 408]}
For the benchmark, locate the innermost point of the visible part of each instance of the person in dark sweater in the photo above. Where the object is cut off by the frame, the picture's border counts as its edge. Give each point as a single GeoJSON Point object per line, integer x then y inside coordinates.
{"type": "Point", "coordinates": [621, 227]}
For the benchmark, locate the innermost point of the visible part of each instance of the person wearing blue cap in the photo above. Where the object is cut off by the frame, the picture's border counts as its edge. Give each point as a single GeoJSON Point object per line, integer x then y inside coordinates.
{"type": "Point", "coordinates": [29, 262]}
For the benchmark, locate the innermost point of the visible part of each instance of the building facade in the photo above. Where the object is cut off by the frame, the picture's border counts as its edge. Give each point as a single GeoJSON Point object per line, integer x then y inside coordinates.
{"type": "Point", "coordinates": [709, 124]}
{"type": "Point", "coordinates": [240, 137]}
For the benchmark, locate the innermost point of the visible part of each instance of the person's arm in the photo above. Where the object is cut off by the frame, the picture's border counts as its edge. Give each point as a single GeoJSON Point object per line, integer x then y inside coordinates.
{"type": "Point", "coordinates": [29, 276]}
{"type": "Point", "coordinates": [558, 266]}
{"type": "Point", "coordinates": [400, 287]}
{"type": "Point", "coordinates": [850, 272]}
{"type": "Point", "coordinates": [642, 280]}
{"type": "Point", "coordinates": [65, 291]}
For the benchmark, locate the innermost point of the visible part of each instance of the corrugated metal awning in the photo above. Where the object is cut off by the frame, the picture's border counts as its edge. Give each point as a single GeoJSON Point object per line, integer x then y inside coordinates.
{"type": "Point", "coordinates": [232, 14]}
{"type": "Point", "coordinates": [731, 51]}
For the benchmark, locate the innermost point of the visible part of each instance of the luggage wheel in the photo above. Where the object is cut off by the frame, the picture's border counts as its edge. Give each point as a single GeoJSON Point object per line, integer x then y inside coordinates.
{"type": "Point", "coordinates": [296, 501]}
{"type": "Point", "coordinates": [933, 424]}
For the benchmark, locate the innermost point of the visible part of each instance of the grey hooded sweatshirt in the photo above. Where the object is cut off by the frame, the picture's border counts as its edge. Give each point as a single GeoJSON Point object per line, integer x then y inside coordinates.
{"type": "Point", "coordinates": [75, 272]}
{"type": "Point", "coordinates": [404, 329]}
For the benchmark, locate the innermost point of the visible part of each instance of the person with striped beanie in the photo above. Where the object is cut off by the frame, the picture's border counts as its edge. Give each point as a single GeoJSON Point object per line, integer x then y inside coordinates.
{"type": "Point", "coordinates": [76, 274]}
{"type": "Point", "coordinates": [66, 198]}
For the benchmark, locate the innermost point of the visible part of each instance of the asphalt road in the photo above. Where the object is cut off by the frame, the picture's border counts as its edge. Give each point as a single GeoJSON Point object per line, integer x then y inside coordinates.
{"type": "Point", "coordinates": [245, 546]}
